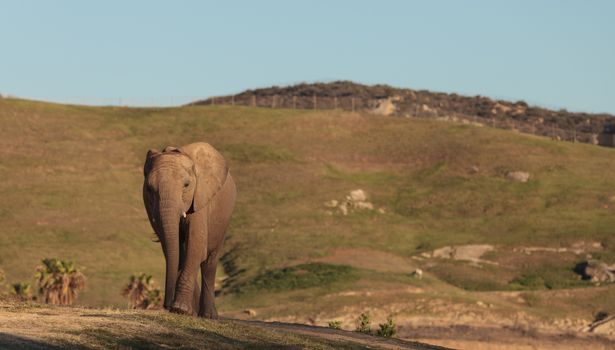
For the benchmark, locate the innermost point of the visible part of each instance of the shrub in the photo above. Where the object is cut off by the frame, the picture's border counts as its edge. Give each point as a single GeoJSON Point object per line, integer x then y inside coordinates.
{"type": "Point", "coordinates": [387, 329]}
{"type": "Point", "coordinates": [59, 281]}
{"type": "Point", "coordinates": [364, 324]}
{"type": "Point", "coordinates": [22, 291]}
{"type": "Point", "coordinates": [142, 292]}
{"type": "Point", "coordinates": [335, 324]}
{"type": "Point", "coordinates": [299, 277]}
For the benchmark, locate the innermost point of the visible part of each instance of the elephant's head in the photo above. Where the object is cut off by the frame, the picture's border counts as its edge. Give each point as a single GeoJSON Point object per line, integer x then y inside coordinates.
{"type": "Point", "coordinates": [178, 182]}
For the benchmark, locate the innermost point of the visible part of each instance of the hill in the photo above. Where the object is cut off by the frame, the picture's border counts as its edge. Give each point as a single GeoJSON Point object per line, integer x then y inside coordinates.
{"type": "Point", "coordinates": [384, 99]}
{"type": "Point", "coordinates": [44, 327]}
{"type": "Point", "coordinates": [494, 253]}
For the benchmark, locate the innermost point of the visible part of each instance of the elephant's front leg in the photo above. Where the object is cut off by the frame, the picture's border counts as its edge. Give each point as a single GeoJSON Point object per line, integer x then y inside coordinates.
{"type": "Point", "coordinates": [196, 246]}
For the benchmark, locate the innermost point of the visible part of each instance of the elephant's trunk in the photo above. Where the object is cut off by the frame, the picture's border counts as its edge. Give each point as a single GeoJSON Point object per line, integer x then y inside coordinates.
{"type": "Point", "coordinates": [169, 216]}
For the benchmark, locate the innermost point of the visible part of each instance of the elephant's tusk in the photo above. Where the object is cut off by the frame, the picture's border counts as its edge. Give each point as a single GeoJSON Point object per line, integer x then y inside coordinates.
{"type": "Point", "coordinates": [184, 215]}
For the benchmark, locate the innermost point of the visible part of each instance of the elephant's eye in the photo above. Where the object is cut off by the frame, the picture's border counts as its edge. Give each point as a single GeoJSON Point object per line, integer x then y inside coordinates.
{"type": "Point", "coordinates": [186, 184]}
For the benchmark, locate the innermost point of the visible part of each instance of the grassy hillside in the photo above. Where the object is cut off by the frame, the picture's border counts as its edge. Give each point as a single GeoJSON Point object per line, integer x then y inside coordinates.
{"type": "Point", "coordinates": [72, 180]}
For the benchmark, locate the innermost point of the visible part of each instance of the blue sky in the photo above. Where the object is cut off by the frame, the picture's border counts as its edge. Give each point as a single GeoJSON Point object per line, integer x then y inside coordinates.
{"type": "Point", "coordinates": [557, 54]}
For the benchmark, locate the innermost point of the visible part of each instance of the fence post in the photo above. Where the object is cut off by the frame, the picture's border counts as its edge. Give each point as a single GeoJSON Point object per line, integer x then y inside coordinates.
{"type": "Point", "coordinates": [314, 101]}
{"type": "Point", "coordinates": [352, 102]}
{"type": "Point", "coordinates": [233, 100]}
{"type": "Point", "coordinates": [335, 102]}
{"type": "Point", "coordinates": [213, 101]}
{"type": "Point", "coordinates": [294, 102]}
{"type": "Point", "coordinates": [253, 100]}
{"type": "Point", "coordinates": [273, 101]}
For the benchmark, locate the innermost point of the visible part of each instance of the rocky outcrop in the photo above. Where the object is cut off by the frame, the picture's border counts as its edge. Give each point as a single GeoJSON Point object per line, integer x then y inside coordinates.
{"type": "Point", "coordinates": [468, 252]}
{"type": "Point", "coordinates": [355, 200]}
{"type": "Point", "coordinates": [598, 271]}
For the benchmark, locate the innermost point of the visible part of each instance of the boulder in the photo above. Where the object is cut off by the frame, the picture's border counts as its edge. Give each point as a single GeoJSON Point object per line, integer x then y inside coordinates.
{"type": "Point", "coordinates": [357, 196]}
{"type": "Point", "coordinates": [385, 107]}
{"type": "Point", "coordinates": [598, 271]}
{"type": "Point", "coordinates": [344, 208]}
{"type": "Point", "coordinates": [356, 199]}
{"type": "Point", "coordinates": [331, 204]}
{"type": "Point", "coordinates": [519, 176]}
{"type": "Point", "coordinates": [364, 205]}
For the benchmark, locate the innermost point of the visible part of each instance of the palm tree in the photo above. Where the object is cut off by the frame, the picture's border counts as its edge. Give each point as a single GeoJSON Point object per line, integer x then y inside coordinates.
{"type": "Point", "coordinates": [59, 281]}
{"type": "Point", "coordinates": [142, 292]}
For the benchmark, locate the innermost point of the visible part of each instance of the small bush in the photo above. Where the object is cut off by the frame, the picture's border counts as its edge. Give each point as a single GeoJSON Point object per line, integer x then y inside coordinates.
{"type": "Point", "coordinates": [335, 324]}
{"type": "Point", "coordinates": [142, 292]}
{"type": "Point", "coordinates": [22, 291]}
{"type": "Point", "coordinates": [600, 315]}
{"type": "Point", "coordinates": [364, 324]}
{"type": "Point", "coordinates": [387, 329]}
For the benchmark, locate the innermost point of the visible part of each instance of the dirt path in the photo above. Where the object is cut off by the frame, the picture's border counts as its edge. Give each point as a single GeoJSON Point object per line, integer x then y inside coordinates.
{"type": "Point", "coordinates": [346, 336]}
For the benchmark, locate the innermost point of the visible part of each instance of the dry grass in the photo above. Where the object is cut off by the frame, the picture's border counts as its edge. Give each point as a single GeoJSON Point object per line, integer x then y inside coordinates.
{"type": "Point", "coordinates": [43, 327]}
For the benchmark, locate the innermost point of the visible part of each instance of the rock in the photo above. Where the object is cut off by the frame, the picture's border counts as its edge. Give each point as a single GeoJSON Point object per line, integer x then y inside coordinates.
{"type": "Point", "coordinates": [474, 169]}
{"type": "Point", "coordinates": [385, 107]}
{"type": "Point", "coordinates": [382, 210]}
{"type": "Point", "coordinates": [520, 176]}
{"type": "Point", "coordinates": [418, 273]}
{"type": "Point", "coordinates": [364, 205]}
{"type": "Point", "coordinates": [468, 252]}
{"type": "Point", "coordinates": [356, 199]}
{"type": "Point", "coordinates": [250, 312]}
{"type": "Point", "coordinates": [358, 195]}
{"type": "Point", "coordinates": [444, 252]}
{"type": "Point", "coordinates": [331, 204]}
{"type": "Point", "coordinates": [343, 208]}
{"type": "Point", "coordinates": [598, 271]}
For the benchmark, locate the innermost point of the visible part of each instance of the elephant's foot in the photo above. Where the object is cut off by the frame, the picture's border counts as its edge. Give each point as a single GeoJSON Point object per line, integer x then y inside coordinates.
{"type": "Point", "coordinates": [210, 314]}
{"type": "Point", "coordinates": [181, 308]}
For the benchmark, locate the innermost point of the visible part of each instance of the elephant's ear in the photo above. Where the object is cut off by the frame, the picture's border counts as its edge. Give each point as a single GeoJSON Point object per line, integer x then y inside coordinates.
{"type": "Point", "coordinates": [171, 149]}
{"type": "Point", "coordinates": [148, 160]}
{"type": "Point", "coordinates": [211, 172]}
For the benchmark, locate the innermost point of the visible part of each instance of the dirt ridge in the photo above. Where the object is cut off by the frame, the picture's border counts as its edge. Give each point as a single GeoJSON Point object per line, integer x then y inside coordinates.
{"type": "Point", "coordinates": [348, 95]}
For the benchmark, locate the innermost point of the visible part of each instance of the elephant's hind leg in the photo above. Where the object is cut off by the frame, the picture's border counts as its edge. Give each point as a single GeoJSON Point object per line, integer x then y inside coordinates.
{"type": "Point", "coordinates": [196, 296]}
{"type": "Point", "coordinates": [208, 270]}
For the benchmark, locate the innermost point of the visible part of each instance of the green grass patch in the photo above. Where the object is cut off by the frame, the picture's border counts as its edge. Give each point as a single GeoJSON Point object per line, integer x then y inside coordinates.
{"type": "Point", "coordinates": [299, 277]}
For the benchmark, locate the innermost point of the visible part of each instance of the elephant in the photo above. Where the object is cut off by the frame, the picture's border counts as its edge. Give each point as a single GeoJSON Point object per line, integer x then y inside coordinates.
{"type": "Point", "coordinates": [189, 195]}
